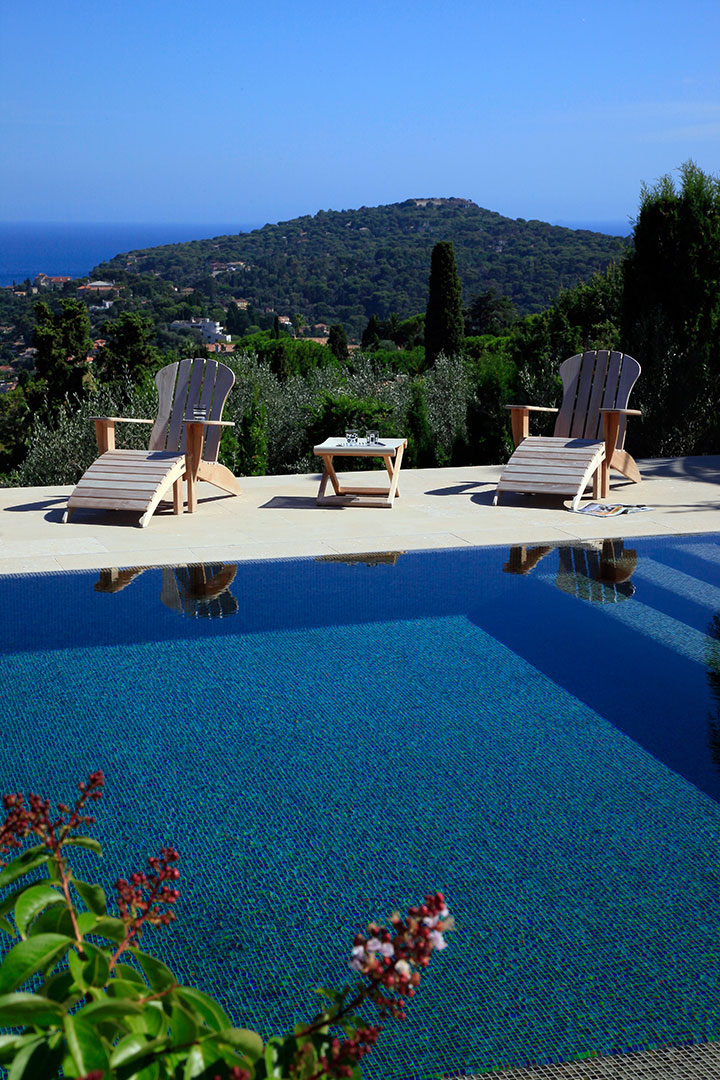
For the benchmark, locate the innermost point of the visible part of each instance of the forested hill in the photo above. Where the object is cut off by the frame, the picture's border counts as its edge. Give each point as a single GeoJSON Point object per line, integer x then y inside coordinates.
{"type": "Point", "coordinates": [343, 266]}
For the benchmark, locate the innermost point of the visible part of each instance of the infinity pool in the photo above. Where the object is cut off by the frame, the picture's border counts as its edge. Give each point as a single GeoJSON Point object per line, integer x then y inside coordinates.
{"type": "Point", "coordinates": [534, 731]}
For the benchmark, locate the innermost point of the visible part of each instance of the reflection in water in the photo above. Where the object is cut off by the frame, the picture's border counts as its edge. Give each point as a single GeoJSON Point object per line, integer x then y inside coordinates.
{"type": "Point", "coordinates": [371, 558]}
{"type": "Point", "coordinates": [200, 591]}
{"type": "Point", "coordinates": [599, 572]}
{"type": "Point", "coordinates": [114, 580]}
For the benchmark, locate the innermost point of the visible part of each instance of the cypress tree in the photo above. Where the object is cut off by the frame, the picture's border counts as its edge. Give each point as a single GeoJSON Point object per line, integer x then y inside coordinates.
{"type": "Point", "coordinates": [444, 323]}
{"type": "Point", "coordinates": [337, 342]}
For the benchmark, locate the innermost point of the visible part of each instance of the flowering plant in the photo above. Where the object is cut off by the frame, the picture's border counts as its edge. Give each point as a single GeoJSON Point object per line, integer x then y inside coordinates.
{"type": "Point", "coordinates": [101, 1008]}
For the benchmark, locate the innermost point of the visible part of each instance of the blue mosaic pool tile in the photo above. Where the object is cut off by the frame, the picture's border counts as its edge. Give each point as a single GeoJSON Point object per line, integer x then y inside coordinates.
{"type": "Point", "coordinates": [315, 778]}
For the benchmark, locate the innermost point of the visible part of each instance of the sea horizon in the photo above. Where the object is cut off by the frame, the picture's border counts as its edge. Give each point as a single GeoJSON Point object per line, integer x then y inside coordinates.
{"type": "Point", "coordinates": [73, 249]}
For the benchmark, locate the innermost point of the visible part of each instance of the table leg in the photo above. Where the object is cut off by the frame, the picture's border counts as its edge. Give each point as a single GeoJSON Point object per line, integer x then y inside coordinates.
{"type": "Point", "coordinates": [391, 469]}
{"type": "Point", "coordinates": [328, 474]}
{"type": "Point", "coordinates": [395, 474]}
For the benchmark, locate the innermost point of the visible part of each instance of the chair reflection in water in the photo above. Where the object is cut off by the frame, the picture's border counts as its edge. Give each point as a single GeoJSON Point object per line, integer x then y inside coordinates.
{"type": "Point", "coordinates": [599, 571]}
{"type": "Point", "coordinates": [199, 591]}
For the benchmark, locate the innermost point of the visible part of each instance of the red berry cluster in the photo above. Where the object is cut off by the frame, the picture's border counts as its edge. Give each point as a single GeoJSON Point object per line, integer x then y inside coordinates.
{"type": "Point", "coordinates": [343, 1054]}
{"type": "Point", "coordinates": [141, 899]}
{"type": "Point", "coordinates": [35, 818]}
{"type": "Point", "coordinates": [391, 960]}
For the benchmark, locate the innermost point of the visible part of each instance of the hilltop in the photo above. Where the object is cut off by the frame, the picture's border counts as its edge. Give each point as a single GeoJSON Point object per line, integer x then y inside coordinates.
{"type": "Point", "coordinates": [345, 265]}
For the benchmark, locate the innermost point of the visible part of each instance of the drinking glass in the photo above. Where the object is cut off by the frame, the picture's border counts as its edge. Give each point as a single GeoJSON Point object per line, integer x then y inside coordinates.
{"type": "Point", "coordinates": [199, 413]}
{"type": "Point", "coordinates": [351, 436]}
{"type": "Point", "coordinates": [371, 437]}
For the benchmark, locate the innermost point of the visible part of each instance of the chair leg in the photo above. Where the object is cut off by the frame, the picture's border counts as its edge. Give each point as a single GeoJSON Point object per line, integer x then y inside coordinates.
{"type": "Point", "coordinates": [178, 497]}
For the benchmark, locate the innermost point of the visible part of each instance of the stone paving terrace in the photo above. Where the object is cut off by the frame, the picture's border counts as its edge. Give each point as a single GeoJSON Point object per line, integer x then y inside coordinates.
{"type": "Point", "coordinates": [276, 517]}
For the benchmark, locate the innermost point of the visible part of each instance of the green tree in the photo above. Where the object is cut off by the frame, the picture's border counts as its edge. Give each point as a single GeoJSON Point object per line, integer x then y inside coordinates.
{"type": "Point", "coordinates": [490, 313]}
{"type": "Point", "coordinates": [337, 342]}
{"type": "Point", "coordinates": [129, 348]}
{"type": "Point", "coordinates": [252, 456]}
{"type": "Point", "coordinates": [422, 448]}
{"type": "Point", "coordinates": [444, 323]}
{"type": "Point", "coordinates": [671, 313]}
{"type": "Point", "coordinates": [371, 333]}
{"type": "Point", "coordinates": [62, 340]}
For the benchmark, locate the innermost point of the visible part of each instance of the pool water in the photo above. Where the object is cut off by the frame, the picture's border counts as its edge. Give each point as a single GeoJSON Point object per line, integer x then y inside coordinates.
{"type": "Point", "coordinates": [536, 732]}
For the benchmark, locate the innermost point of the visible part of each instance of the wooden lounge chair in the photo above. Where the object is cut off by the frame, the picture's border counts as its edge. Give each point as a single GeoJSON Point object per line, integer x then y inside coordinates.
{"type": "Point", "coordinates": [181, 446]}
{"type": "Point", "coordinates": [589, 432]}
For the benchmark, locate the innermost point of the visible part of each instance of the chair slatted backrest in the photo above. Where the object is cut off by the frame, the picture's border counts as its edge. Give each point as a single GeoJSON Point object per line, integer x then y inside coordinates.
{"type": "Point", "coordinates": [593, 381]}
{"type": "Point", "coordinates": [183, 387]}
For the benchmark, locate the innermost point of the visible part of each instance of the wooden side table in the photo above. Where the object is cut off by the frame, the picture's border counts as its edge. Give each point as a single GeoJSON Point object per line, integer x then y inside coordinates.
{"type": "Point", "coordinates": [390, 450]}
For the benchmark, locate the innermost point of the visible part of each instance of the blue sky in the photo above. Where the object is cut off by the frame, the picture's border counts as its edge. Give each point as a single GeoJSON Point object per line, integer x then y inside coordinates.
{"type": "Point", "coordinates": [252, 112]}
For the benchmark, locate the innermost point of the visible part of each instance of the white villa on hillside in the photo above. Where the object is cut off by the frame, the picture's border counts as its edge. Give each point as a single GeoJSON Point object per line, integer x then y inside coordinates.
{"type": "Point", "coordinates": [211, 331]}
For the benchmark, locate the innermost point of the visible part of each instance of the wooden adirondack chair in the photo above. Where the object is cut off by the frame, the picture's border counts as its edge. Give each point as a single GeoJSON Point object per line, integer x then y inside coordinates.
{"type": "Point", "coordinates": [181, 446]}
{"type": "Point", "coordinates": [589, 431]}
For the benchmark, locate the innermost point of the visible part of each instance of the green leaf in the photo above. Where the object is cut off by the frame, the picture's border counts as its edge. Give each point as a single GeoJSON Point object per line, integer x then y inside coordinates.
{"type": "Point", "coordinates": [158, 975]}
{"type": "Point", "coordinates": [194, 1063]}
{"type": "Point", "coordinates": [29, 860]}
{"type": "Point", "coordinates": [27, 957]}
{"type": "Point", "coordinates": [7, 926]}
{"type": "Point", "coordinates": [246, 1041]}
{"type": "Point", "coordinates": [128, 1052]}
{"type": "Point", "coordinates": [129, 1047]}
{"type": "Point", "coordinates": [272, 1059]}
{"type": "Point", "coordinates": [94, 970]}
{"type": "Point", "coordinates": [103, 926]}
{"type": "Point", "coordinates": [88, 1051]}
{"type": "Point", "coordinates": [59, 987]}
{"type": "Point", "coordinates": [130, 974]}
{"type": "Point", "coordinates": [31, 902]}
{"type": "Point", "coordinates": [36, 1059]}
{"type": "Point", "coordinates": [203, 1005]}
{"type": "Point", "coordinates": [16, 1009]}
{"type": "Point", "coordinates": [56, 920]}
{"type": "Point", "coordinates": [93, 896]}
{"type": "Point", "coordinates": [84, 842]}
{"type": "Point", "coordinates": [155, 1019]}
{"type": "Point", "coordinates": [184, 1028]}
{"type": "Point", "coordinates": [123, 988]}
{"type": "Point", "coordinates": [109, 1008]}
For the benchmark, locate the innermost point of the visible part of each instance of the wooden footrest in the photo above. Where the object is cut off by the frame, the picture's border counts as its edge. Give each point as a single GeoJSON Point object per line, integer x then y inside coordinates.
{"type": "Point", "coordinates": [553, 466]}
{"type": "Point", "coordinates": [135, 480]}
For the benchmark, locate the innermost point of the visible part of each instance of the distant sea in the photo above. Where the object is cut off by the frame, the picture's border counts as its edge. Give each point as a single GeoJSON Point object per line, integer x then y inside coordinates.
{"type": "Point", "coordinates": [28, 249]}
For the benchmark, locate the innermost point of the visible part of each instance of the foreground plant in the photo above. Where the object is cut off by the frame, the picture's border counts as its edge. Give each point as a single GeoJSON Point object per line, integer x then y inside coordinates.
{"type": "Point", "coordinates": [101, 1008]}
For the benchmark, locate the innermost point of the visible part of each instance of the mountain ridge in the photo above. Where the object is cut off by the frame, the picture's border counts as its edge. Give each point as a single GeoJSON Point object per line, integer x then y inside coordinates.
{"type": "Point", "coordinates": [345, 265]}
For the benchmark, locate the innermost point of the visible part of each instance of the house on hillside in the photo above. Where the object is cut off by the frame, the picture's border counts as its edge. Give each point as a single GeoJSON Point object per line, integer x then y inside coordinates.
{"type": "Point", "coordinates": [98, 288]}
{"type": "Point", "coordinates": [48, 281]}
{"type": "Point", "coordinates": [211, 331]}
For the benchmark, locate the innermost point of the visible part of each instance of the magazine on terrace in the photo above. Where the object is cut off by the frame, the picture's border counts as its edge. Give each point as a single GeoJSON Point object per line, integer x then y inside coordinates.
{"type": "Point", "coordinates": [610, 509]}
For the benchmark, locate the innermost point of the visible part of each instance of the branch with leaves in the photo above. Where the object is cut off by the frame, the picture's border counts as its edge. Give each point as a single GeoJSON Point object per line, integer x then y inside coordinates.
{"type": "Point", "coordinates": [105, 1009]}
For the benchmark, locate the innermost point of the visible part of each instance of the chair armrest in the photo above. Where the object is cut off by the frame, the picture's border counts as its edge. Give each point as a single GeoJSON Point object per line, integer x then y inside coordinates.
{"type": "Point", "coordinates": [520, 416]}
{"type": "Point", "coordinates": [105, 429]}
{"type": "Point", "coordinates": [120, 420]}
{"type": "Point", "coordinates": [209, 423]}
{"type": "Point", "coordinates": [622, 412]}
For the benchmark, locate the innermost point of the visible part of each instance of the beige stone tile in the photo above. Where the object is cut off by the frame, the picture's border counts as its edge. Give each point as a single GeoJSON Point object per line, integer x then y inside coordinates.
{"type": "Point", "coordinates": [19, 565]}
{"type": "Point", "coordinates": [48, 548]}
{"type": "Point", "coordinates": [277, 517]}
